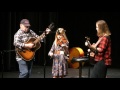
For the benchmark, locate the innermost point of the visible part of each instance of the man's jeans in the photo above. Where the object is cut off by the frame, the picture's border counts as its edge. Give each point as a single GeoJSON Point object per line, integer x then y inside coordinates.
{"type": "Point", "coordinates": [25, 68]}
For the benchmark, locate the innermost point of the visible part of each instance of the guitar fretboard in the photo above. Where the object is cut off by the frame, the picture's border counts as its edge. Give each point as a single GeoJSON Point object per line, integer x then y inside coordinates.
{"type": "Point", "coordinates": [39, 38]}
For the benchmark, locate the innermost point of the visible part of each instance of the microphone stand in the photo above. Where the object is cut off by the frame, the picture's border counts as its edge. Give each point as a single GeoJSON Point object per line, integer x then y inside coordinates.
{"type": "Point", "coordinates": [44, 56]}
{"type": "Point", "coordinates": [2, 55]}
{"type": "Point", "coordinates": [44, 40]}
{"type": "Point", "coordinates": [88, 55]}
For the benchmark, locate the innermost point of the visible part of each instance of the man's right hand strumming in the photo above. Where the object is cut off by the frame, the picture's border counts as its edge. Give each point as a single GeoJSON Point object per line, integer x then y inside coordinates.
{"type": "Point", "coordinates": [29, 45]}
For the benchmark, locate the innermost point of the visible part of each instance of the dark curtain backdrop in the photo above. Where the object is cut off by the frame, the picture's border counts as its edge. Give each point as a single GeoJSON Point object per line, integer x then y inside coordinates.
{"type": "Point", "coordinates": [77, 25]}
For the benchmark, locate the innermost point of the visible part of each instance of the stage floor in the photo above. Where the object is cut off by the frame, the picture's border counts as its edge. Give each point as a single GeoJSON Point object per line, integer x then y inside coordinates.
{"type": "Point", "coordinates": [45, 72]}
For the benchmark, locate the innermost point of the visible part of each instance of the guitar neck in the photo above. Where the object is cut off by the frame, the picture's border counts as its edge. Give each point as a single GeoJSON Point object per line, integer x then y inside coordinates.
{"type": "Point", "coordinates": [88, 42]}
{"type": "Point", "coordinates": [43, 34]}
{"type": "Point", "coordinates": [40, 38]}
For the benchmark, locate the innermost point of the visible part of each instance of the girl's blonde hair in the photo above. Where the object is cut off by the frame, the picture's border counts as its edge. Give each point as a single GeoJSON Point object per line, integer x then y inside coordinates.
{"type": "Point", "coordinates": [61, 31]}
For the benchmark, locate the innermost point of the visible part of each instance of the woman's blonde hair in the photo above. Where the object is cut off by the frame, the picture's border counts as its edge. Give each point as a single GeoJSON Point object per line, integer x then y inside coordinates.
{"type": "Point", "coordinates": [103, 28]}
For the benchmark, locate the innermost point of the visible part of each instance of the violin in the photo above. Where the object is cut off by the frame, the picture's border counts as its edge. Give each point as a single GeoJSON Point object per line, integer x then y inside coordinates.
{"type": "Point", "coordinates": [61, 41]}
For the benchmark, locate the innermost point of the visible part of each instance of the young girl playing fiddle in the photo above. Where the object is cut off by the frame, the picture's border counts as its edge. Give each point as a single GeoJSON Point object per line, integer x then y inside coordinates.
{"type": "Point", "coordinates": [60, 53]}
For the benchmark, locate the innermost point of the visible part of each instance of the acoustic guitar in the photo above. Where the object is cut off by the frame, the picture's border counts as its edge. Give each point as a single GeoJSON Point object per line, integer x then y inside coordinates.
{"type": "Point", "coordinates": [87, 43]}
{"type": "Point", "coordinates": [92, 53]}
{"type": "Point", "coordinates": [28, 54]}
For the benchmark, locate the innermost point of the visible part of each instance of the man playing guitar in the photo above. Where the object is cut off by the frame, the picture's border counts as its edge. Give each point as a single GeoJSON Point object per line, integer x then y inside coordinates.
{"type": "Point", "coordinates": [26, 42]}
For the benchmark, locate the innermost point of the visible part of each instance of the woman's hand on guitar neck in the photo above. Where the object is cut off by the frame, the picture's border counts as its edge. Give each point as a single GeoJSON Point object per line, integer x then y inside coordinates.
{"type": "Point", "coordinates": [92, 48]}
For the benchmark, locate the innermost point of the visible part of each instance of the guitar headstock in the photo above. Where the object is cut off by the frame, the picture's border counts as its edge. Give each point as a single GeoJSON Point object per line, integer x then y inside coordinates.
{"type": "Point", "coordinates": [87, 38]}
{"type": "Point", "coordinates": [51, 26]}
{"type": "Point", "coordinates": [87, 43]}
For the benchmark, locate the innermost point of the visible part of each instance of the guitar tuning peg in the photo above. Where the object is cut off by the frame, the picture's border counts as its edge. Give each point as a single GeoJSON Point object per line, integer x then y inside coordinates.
{"type": "Point", "coordinates": [86, 44]}
{"type": "Point", "coordinates": [88, 38]}
{"type": "Point", "coordinates": [51, 26]}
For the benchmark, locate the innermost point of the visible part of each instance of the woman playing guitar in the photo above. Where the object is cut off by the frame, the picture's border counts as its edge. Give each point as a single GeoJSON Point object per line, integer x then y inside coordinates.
{"type": "Point", "coordinates": [101, 50]}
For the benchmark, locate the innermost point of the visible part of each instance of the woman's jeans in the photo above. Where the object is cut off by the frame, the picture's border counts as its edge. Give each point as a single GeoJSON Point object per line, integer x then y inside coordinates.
{"type": "Point", "coordinates": [99, 70]}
